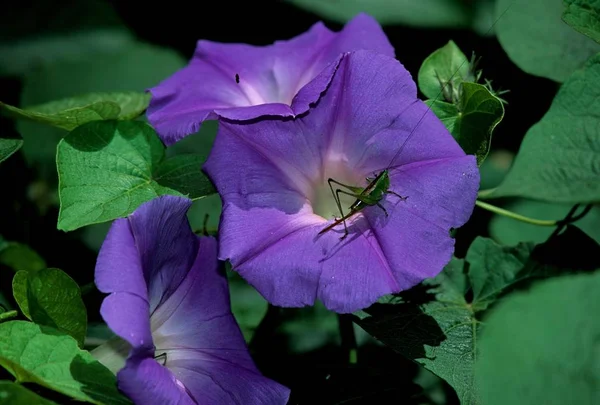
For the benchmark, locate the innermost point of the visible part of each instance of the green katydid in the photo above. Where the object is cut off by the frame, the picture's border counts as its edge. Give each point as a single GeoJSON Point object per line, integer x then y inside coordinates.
{"type": "Point", "coordinates": [371, 195]}
{"type": "Point", "coordinates": [378, 186]}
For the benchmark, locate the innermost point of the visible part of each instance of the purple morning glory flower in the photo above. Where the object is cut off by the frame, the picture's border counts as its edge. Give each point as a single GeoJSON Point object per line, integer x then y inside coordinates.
{"type": "Point", "coordinates": [272, 177]}
{"type": "Point", "coordinates": [242, 82]}
{"type": "Point", "coordinates": [169, 301]}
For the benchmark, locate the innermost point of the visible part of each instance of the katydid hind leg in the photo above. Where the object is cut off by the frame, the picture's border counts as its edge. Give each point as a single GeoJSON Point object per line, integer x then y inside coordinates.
{"type": "Point", "coordinates": [336, 198]}
{"type": "Point", "coordinates": [351, 188]}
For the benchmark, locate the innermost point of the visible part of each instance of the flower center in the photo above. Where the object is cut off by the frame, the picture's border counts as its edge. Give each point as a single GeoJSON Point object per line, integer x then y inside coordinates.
{"type": "Point", "coordinates": [274, 86]}
{"type": "Point", "coordinates": [323, 201]}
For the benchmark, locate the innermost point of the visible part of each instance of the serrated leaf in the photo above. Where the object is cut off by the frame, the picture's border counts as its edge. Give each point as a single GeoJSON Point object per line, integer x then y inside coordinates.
{"type": "Point", "coordinates": [69, 113]}
{"type": "Point", "coordinates": [20, 257]}
{"type": "Point", "coordinates": [508, 231]}
{"type": "Point", "coordinates": [583, 16]}
{"type": "Point", "coordinates": [446, 67]}
{"type": "Point", "coordinates": [424, 13]}
{"type": "Point", "coordinates": [538, 41]}
{"type": "Point", "coordinates": [42, 355]}
{"type": "Point", "coordinates": [438, 328]}
{"type": "Point", "coordinates": [184, 174]}
{"type": "Point", "coordinates": [559, 158]}
{"type": "Point", "coordinates": [16, 394]}
{"type": "Point", "coordinates": [472, 122]}
{"type": "Point", "coordinates": [109, 168]}
{"type": "Point", "coordinates": [50, 297]}
{"type": "Point", "coordinates": [542, 347]}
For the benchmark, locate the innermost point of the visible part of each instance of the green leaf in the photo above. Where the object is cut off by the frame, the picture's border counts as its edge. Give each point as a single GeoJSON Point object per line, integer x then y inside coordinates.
{"type": "Point", "coordinates": [69, 113]}
{"type": "Point", "coordinates": [310, 328]}
{"type": "Point", "coordinates": [508, 231]}
{"type": "Point", "coordinates": [20, 257]}
{"type": "Point", "coordinates": [183, 173]}
{"type": "Point", "coordinates": [9, 144]}
{"type": "Point", "coordinates": [559, 158]}
{"type": "Point", "coordinates": [472, 122]}
{"type": "Point", "coordinates": [50, 297]}
{"type": "Point", "coordinates": [583, 16]}
{"type": "Point", "coordinates": [109, 168]}
{"type": "Point", "coordinates": [42, 355]}
{"type": "Point", "coordinates": [200, 144]}
{"type": "Point", "coordinates": [423, 13]}
{"type": "Point", "coordinates": [445, 65]}
{"type": "Point", "coordinates": [538, 41]}
{"type": "Point", "coordinates": [542, 347]}
{"type": "Point", "coordinates": [439, 329]}
{"type": "Point", "coordinates": [494, 168]}
{"type": "Point", "coordinates": [26, 54]}
{"type": "Point", "coordinates": [107, 70]}
{"type": "Point", "coordinates": [247, 305]}
{"type": "Point", "coordinates": [16, 394]}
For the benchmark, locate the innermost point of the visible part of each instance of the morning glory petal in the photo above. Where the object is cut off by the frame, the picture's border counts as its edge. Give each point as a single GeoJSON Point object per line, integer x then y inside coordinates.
{"type": "Point", "coordinates": [245, 82]}
{"type": "Point", "coordinates": [274, 177]}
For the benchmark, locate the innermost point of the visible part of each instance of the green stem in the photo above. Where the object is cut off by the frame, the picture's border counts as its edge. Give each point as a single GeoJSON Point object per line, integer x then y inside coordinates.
{"type": "Point", "coordinates": [7, 315]}
{"type": "Point", "coordinates": [485, 193]}
{"type": "Point", "coordinates": [510, 214]}
{"type": "Point", "coordinates": [348, 338]}
{"type": "Point", "coordinates": [87, 288]}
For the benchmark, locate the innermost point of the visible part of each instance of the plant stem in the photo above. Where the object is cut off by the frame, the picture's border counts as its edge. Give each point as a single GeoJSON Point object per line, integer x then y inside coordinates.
{"type": "Point", "coordinates": [348, 338]}
{"type": "Point", "coordinates": [87, 288]}
{"type": "Point", "coordinates": [510, 214]}
{"type": "Point", "coordinates": [485, 193]}
{"type": "Point", "coordinates": [7, 315]}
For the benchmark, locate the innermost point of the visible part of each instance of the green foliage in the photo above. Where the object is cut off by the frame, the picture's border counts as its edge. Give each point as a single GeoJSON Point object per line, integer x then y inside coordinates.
{"type": "Point", "coordinates": [200, 143]}
{"type": "Point", "coordinates": [469, 110]}
{"type": "Point", "coordinates": [69, 113]}
{"type": "Point", "coordinates": [108, 168]}
{"type": "Point", "coordinates": [541, 346]}
{"type": "Point", "coordinates": [50, 297]}
{"type": "Point", "coordinates": [20, 257]}
{"type": "Point", "coordinates": [538, 41]}
{"type": "Point", "coordinates": [13, 393]}
{"type": "Point", "coordinates": [247, 305]}
{"type": "Point", "coordinates": [42, 355]}
{"type": "Point", "coordinates": [507, 231]}
{"type": "Point", "coordinates": [183, 173]}
{"type": "Point", "coordinates": [584, 16]}
{"type": "Point", "coordinates": [443, 71]}
{"type": "Point", "coordinates": [9, 144]}
{"type": "Point", "coordinates": [124, 66]}
{"type": "Point", "coordinates": [473, 120]}
{"type": "Point", "coordinates": [424, 13]}
{"type": "Point", "coordinates": [439, 328]}
{"type": "Point", "coordinates": [6, 315]}
{"type": "Point", "coordinates": [559, 159]}
{"type": "Point", "coordinates": [25, 55]}
{"type": "Point", "coordinates": [494, 168]}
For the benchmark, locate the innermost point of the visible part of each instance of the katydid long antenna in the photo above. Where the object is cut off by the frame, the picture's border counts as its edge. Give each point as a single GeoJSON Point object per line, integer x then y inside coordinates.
{"type": "Point", "coordinates": [379, 185]}
{"type": "Point", "coordinates": [440, 94]}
